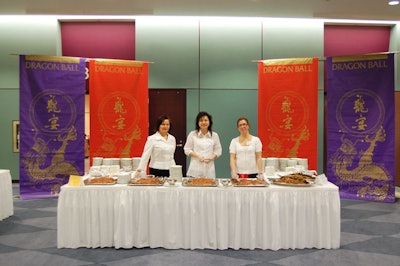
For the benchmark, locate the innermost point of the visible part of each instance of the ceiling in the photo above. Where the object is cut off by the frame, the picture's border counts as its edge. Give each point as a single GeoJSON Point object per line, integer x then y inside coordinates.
{"type": "Point", "coordinates": [334, 9]}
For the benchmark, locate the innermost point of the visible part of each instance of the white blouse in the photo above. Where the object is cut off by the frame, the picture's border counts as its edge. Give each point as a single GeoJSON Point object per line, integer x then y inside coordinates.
{"type": "Point", "coordinates": [160, 151]}
{"type": "Point", "coordinates": [246, 160]}
{"type": "Point", "coordinates": [205, 145]}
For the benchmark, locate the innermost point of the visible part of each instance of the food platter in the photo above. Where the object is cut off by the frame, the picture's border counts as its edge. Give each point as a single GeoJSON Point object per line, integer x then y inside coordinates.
{"type": "Point", "coordinates": [276, 182]}
{"type": "Point", "coordinates": [100, 181]}
{"type": "Point", "coordinates": [199, 182]}
{"type": "Point", "coordinates": [147, 181]}
{"type": "Point", "coordinates": [249, 182]}
{"type": "Point", "coordinates": [295, 180]}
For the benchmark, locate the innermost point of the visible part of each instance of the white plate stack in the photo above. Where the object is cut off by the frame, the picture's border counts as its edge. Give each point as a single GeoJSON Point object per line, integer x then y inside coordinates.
{"type": "Point", "coordinates": [274, 162]}
{"type": "Point", "coordinates": [135, 163]}
{"type": "Point", "coordinates": [97, 161]}
{"type": "Point", "coordinates": [116, 161]}
{"type": "Point", "coordinates": [292, 162]}
{"type": "Point", "coordinates": [123, 177]}
{"type": "Point", "coordinates": [283, 163]}
{"type": "Point", "coordinates": [303, 162]}
{"type": "Point", "coordinates": [269, 170]}
{"type": "Point", "coordinates": [126, 164]}
{"type": "Point", "coordinates": [175, 172]}
{"type": "Point", "coordinates": [107, 161]}
{"type": "Point", "coordinates": [264, 162]}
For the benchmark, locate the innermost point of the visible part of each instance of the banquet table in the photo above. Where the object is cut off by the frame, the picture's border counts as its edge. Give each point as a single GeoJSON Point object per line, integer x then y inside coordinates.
{"type": "Point", "coordinates": [180, 217]}
{"type": "Point", "coordinates": [6, 196]}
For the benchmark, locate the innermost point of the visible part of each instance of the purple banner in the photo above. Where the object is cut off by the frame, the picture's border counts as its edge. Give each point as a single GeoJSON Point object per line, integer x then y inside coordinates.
{"type": "Point", "coordinates": [361, 126]}
{"type": "Point", "coordinates": [52, 113]}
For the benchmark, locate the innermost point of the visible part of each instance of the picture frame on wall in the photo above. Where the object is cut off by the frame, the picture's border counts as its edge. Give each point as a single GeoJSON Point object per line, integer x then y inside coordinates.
{"type": "Point", "coordinates": [15, 135]}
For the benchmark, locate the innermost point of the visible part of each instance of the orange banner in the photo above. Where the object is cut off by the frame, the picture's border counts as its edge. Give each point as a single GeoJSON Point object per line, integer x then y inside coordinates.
{"type": "Point", "coordinates": [118, 108]}
{"type": "Point", "coordinates": [288, 108]}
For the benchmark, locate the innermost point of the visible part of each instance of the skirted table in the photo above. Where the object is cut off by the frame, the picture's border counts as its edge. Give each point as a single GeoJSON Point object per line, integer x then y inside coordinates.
{"type": "Point", "coordinates": [273, 217]}
{"type": "Point", "coordinates": [6, 196]}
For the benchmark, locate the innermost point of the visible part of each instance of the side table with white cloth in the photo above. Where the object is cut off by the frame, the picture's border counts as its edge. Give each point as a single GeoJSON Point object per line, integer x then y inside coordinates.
{"type": "Point", "coordinates": [6, 195]}
{"type": "Point", "coordinates": [274, 217]}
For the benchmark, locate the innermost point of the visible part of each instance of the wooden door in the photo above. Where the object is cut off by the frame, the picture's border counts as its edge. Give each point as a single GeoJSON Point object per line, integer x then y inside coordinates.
{"type": "Point", "coordinates": [170, 102]}
{"type": "Point", "coordinates": [397, 134]}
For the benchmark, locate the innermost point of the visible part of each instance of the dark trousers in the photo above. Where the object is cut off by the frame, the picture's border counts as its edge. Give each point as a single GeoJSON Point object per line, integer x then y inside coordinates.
{"type": "Point", "coordinates": [159, 172]}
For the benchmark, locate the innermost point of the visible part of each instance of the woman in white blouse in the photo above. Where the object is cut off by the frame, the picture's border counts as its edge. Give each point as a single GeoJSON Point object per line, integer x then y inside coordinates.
{"type": "Point", "coordinates": [203, 146]}
{"type": "Point", "coordinates": [159, 149]}
{"type": "Point", "coordinates": [245, 153]}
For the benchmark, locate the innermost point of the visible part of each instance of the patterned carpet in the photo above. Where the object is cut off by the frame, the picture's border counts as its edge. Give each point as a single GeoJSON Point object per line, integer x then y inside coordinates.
{"type": "Point", "coordinates": [370, 236]}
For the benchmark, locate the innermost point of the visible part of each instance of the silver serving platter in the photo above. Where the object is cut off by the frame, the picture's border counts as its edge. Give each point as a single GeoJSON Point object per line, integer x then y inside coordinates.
{"type": "Point", "coordinates": [263, 184]}
{"type": "Point", "coordinates": [186, 182]}
{"type": "Point", "coordinates": [87, 183]}
{"type": "Point", "coordinates": [310, 180]}
{"type": "Point", "coordinates": [134, 182]}
{"type": "Point", "coordinates": [276, 182]}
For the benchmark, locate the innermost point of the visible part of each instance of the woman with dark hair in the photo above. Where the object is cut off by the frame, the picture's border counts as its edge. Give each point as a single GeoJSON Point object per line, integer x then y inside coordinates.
{"type": "Point", "coordinates": [245, 153]}
{"type": "Point", "coordinates": [159, 149]}
{"type": "Point", "coordinates": [203, 146]}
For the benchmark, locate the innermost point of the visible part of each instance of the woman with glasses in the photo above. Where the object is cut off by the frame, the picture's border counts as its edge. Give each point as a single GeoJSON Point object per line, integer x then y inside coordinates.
{"type": "Point", "coordinates": [245, 153]}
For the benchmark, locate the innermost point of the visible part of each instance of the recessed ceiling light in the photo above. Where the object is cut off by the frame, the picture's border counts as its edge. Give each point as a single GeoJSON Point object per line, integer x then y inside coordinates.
{"type": "Point", "coordinates": [393, 2]}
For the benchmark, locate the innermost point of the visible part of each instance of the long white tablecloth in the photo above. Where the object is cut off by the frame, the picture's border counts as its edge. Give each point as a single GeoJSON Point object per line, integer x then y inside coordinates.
{"type": "Point", "coordinates": [274, 217]}
{"type": "Point", "coordinates": [6, 196]}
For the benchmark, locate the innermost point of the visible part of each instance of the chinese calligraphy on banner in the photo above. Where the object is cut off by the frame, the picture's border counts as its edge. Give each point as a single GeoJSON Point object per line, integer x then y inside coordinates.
{"type": "Point", "coordinates": [52, 102]}
{"type": "Point", "coordinates": [360, 134]}
{"type": "Point", "coordinates": [288, 107]}
{"type": "Point", "coordinates": [118, 108]}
